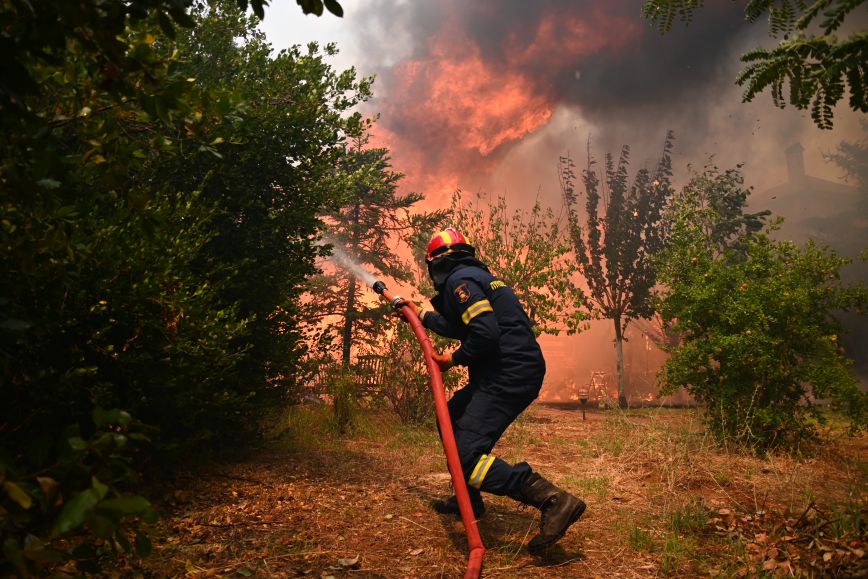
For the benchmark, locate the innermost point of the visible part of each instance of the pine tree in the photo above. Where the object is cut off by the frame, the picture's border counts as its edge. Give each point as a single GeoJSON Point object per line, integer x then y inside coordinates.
{"type": "Point", "coordinates": [368, 229]}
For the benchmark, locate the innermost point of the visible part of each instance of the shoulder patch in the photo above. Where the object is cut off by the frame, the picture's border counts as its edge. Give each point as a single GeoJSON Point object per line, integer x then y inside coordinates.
{"type": "Point", "coordinates": [462, 294]}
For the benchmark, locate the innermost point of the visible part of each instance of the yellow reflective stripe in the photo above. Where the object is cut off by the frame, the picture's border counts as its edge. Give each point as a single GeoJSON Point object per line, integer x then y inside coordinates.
{"type": "Point", "coordinates": [478, 475]}
{"type": "Point", "coordinates": [474, 310]}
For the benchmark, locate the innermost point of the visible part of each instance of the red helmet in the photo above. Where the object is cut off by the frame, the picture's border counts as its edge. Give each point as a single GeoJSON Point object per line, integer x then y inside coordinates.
{"type": "Point", "coordinates": [445, 242]}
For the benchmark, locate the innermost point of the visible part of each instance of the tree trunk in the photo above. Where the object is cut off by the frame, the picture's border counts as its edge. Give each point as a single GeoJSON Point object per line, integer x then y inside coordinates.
{"type": "Point", "coordinates": [619, 362]}
{"type": "Point", "coordinates": [349, 315]}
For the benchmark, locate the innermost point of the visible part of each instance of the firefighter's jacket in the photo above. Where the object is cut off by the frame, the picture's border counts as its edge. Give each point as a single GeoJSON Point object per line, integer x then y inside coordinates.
{"type": "Point", "coordinates": [497, 342]}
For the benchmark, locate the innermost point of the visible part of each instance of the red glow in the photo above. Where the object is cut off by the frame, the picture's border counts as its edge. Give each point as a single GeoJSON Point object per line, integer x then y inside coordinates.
{"type": "Point", "coordinates": [449, 114]}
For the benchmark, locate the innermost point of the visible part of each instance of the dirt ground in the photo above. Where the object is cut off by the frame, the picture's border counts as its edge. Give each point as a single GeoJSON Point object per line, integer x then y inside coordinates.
{"type": "Point", "coordinates": [662, 501]}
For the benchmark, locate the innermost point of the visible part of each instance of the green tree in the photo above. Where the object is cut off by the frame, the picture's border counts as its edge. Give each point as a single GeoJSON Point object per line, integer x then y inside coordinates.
{"type": "Point", "coordinates": [366, 233]}
{"type": "Point", "coordinates": [816, 67]}
{"type": "Point", "coordinates": [123, 181]}
{"type": "Point", "coordinates": [614, 250]}
{"type": "Point", "coordinates": [758, 339]}
{"type": "Point", "coordinates": [720, 200]}
{"type": "Point", "coordinates": [282, 159]}
{"type": "Point", "coordinates": [529, 251]}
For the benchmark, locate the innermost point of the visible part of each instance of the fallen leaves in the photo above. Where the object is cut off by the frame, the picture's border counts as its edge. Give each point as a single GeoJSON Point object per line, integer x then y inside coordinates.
{"type": "Point", "coordinates": [785, 547]}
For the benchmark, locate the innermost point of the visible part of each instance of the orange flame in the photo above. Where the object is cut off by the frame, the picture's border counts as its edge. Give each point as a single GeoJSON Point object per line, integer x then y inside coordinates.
{"type": "Point", "coordinates": [449, 115]}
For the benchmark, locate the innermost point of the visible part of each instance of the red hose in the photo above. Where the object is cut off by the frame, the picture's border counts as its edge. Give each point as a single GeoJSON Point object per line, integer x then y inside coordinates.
{"type": "Point", "coordinates": [474, 540]}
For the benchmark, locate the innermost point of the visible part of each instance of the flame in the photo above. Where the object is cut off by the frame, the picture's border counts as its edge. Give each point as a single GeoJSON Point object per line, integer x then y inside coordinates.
{"type": "Point", "coordinates": [450, 114]}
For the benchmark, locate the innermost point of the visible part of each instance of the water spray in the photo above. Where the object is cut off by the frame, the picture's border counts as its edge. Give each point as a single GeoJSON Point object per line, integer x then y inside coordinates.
{"type": "Point", "coordinates": [447, 435]}
{"type": "Point", "coordinates": [474, 540]}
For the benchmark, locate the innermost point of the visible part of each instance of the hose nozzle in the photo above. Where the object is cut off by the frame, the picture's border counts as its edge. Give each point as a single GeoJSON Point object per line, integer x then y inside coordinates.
{"type": "Point", "coordinates": [379, 287]}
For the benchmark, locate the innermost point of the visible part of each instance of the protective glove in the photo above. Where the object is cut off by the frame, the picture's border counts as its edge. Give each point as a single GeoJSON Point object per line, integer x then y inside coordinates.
{"type": "Point", "coordinates": [420, 312]}
{"type": "Point", "coordinates": [444, 361]}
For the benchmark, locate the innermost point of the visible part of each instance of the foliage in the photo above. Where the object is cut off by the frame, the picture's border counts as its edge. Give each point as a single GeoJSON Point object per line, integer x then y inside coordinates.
{"type": "Point", "coordinates": [343, 388]}
{"type": "Point", "coordinates": [315, 7]}
{"type": "Point", "coordinates": [281, 163]}
{"type": "Point", "coordinates": [528, 251]}
{"type": "Point", "coordinates": [40, 34]}
{"type": "Point", "coordinates": [68, 500]}
{"type": "Point", "coordinates": [407, 387]}
{"type": "Point", "coordinates": [365, 232]}
{"type": "Point", "coordinates": [154, 236]}
{"type": "Point", "coordinates": [852, 159]}
{"type": "Point", "coordinates": [718, 201]}
{"type": "Point", "coordinates": [817, 67]}
{"type": "Point", "coordinates": [759, 342]}
{"type": "Point", "coordinates": [614, 250]}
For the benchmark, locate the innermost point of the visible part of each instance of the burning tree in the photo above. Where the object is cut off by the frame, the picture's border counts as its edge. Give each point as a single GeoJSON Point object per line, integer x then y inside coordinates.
{"type": "Point", "coordinates": [614, 249]}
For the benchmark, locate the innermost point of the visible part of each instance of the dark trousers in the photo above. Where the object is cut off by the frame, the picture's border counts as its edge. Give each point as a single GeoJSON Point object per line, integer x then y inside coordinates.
{"type": "Point", "coordinates": [479, 419]}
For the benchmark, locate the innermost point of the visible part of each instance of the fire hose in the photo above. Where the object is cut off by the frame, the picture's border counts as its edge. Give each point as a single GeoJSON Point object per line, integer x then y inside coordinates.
{"type": "Point", "coordinates": [474, 540]}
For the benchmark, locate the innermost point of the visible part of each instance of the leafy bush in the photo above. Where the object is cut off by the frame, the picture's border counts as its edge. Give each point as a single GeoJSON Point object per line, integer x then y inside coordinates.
{"type": "Point", "coordinates": [759, 340]}
{"type": "Point", "coordinates": [408, 384]}
{"type": "Point", "coordinates": [67, 498]}
{"type": "Point", "coordinates": [153, 243]}
{"type": "Point", "coordinates": [344, 390]}
{"type": "Point", "coordinates": [408, 387]}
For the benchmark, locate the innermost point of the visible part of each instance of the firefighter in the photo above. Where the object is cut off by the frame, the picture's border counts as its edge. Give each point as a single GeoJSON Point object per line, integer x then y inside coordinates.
{"type": "Point", "coordinates": [506, 369]}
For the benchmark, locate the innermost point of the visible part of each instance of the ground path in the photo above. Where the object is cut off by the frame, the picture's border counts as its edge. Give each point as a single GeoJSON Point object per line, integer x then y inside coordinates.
{"type": "Point", "coordinates": [663, 501]}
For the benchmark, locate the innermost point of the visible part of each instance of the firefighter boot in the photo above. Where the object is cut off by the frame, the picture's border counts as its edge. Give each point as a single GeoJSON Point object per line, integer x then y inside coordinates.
{"type": "Point", "coordinates": [559, 510]}
{"type": "Point", "coordinates": [450, 505]}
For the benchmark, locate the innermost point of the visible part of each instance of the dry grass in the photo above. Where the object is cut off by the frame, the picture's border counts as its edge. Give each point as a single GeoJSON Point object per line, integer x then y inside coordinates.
{"type": "Point", "coordinates": [662, 501]}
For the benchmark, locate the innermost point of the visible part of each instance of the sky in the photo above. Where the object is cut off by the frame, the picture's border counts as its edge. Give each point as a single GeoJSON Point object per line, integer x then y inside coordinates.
{"type": "Point", "coordinates": [486, 96]}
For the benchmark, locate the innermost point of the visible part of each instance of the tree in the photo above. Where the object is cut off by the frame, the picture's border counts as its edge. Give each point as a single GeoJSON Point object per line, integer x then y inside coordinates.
{"type": "Point", "coordinates": [366, 232]}
{"type": "Point", "coordinates": [529, 251]}
{"type": "Point", "coordinates": [852, 159]}
{"type": "Point", "coordinates": [719, 201]}
{"type": "Point", "coordinates": [759, 343]}
{"type": "Point", "coordinates": [614, 250]}
{"type": "Point", "coordinates": [143, 190]}
{"type": "Point", "coordinates": [283, 160]}
{"type": "Point", "coordinates": [38, 34]}
{"type": "Point", "coordinates": [816, 67]}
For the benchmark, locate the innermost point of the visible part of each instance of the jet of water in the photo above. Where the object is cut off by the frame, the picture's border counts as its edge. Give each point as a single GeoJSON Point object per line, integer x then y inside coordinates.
{"type": "Point", "coordinates": [343, 259]}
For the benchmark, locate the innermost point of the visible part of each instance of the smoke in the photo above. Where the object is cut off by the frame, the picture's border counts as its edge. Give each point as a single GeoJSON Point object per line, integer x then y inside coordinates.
{"type": "Point", "coordinates": [487, 95]}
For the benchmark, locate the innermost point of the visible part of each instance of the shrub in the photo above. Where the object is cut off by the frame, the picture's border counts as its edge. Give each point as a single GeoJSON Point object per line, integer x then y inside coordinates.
{"type": "Point", "coordinates": [759, 338]}
{"type": "Point", "coordinates": [69, 498]}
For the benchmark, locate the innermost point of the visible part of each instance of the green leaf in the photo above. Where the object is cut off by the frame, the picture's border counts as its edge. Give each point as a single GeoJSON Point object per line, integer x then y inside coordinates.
{"type": "Point", "coordinates": [166, 25]}
{"type": "Point", "coordinates": [13, 553]}
{"type": "Point", "coordinates": [131, 505]}
{"type": "Point", "coordinates": [17, 494]}
{"type": "Point", "coordinates": [48, 183]}
{"type": "Point", "coordinates": [334, 8]}
{"type": "Point", "coordinates": [77, 443]}
{"type": "Point", "coordinates": [115, 416]}
{"type": "Point", "coordinates": [75, 512]}
{"type": "Point", "coordinates": [102, 527]}
{"type": "Point", "coordinates": [35, 550]}
{"type": "Point", "coordinates": [100, 488]}
{"type": "Point", "coordinates": [121, 538]}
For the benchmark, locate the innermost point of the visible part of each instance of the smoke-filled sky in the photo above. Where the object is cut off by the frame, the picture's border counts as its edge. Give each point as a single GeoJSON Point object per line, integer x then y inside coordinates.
{"type": "Point", "coordinates": [487, 95]}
